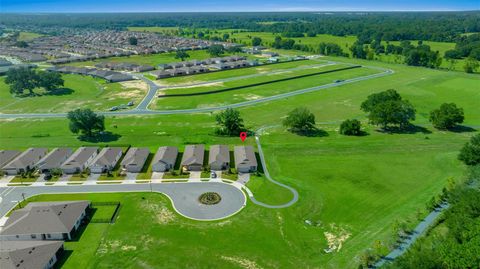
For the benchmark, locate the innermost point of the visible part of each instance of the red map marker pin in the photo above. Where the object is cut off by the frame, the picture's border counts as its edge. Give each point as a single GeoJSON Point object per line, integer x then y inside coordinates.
{"type": "Point", "coordinates": [243, 136]}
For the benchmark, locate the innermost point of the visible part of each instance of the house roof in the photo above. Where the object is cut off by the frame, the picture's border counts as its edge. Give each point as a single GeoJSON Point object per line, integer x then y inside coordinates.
{"type": "Point", "coordinates": [80, 157]}
{"type": "Point", "coordinates": [7, 155]}
{"type": "Point", "coordinates": [219, 153]}
{"type": "Point", "coordinates": [193, 154]}
{"type": "Point", "coordinates": [44, 217]}
{"type": "Point", "coordinates": [165, 155]}
{"type": "Point", "coordinates": [136, 156]}
{"type": "Point", "coordinates": [55, 157]}
{"type": "Point", "coordinates": [244, 155]}
{"type": "Point", "coordinates": [107, 157]}
{"type": "Point", "coordinates": [27, 157]}
{"type": "Point", "coordinates": [27, 254]}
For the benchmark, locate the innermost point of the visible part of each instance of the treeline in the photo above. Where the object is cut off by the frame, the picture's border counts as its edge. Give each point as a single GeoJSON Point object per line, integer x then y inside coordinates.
{"type": "Point", "coordinates": [387, 26]}
{"type": "Point", "coordinates": [466, 46]}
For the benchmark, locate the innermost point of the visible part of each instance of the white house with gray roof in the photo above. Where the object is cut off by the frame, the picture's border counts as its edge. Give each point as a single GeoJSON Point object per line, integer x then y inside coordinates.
{"type": "Point", "coordinates": [245, 160]}
{"type": "Point", "coordinates": [25, 161]}
{"type": "Point", "coordinates": [192, 159]}
{"type": "Point", "coordinates": [29, 254]}
{"type": "Point", "coordinates": [7, 156]}
{"type": "Point", "coordinates": [164, 159]}
{"type": "Point", "coordinates": [219, 157]}
{"type": "Point", "coordinates": [53, 159]}
{"type": "Point", "coordinates": [79, 160]}
{"type": "Point", "coordinates": [45, 221]}
{"type": "Point", "coordinates": [106, 160]}
{"type": "Point", "coordinates": [135, 159]}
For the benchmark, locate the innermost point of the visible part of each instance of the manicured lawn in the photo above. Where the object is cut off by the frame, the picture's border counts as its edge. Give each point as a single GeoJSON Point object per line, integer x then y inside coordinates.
{"type": "Point", "coordinates": [256, 92]}
{"type": "Point", "coordinates": [27, 36]}
{"type": "Point", "coordinates": [20, 179]}
{"type": "Point", "coordinates": [79, 92]}
{"type": "Point", "coordinates": [352, 187]}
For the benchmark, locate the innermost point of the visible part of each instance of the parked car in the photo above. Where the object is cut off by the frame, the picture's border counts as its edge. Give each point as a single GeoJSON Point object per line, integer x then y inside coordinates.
{"type": "Point", "coordinates": [338, 80]}
{"type": "Point", "coordinates": [213, 175]}
{"type": "Point", "coordinates": [130, 103]}
{"type": "Point", "coordinates": [113, 108]}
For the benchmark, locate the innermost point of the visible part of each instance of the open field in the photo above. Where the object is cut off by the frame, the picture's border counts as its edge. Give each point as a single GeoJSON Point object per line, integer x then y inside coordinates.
{"type": "Point", "coordinates": [78, 92]}
{"type": "Point", "coordinates": [353, 188]}
{"type": "Point", "coordinates": [163, 30]}
{"type": "Point", "coordinates": [26, 36]}
{"type": "Point", "coordinates": [256, 92]}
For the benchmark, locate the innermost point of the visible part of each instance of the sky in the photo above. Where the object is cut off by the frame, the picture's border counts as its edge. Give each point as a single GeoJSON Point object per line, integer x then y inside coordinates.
{"type": "Point", "coordinates": [50, 6]}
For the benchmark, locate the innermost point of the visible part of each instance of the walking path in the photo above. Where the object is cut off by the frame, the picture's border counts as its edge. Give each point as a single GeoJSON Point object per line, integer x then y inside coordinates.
{"type": "Point", "coordinates": [417, 232]}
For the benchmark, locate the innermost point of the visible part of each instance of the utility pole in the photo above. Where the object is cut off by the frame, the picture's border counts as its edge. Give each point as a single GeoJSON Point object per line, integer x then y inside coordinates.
{"type": "Point", "coordinates": [23, 201]}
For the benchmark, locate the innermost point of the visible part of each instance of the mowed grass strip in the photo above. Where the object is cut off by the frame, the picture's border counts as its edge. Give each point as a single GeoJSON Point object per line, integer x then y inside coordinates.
{"type": "Point", "coordinates": [256, 92]}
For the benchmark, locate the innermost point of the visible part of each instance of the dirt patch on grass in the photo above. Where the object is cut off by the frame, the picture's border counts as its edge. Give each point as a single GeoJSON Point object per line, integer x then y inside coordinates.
{"type": "Point", "coordinates": [136, 84]}
{"type": "Point", "coordinates": [112, 246]}
{"type": "Point", "coordinates": [192, 85]}
{"type": "Point", "coordinates": [131, 93]}
{"type": "Point", "coordinates": [249, 96]}
{"type": "Point", "coordinates": [161, 214]}
{"type": "Point", "coordinates": [242, 262]}
{"type": "Point", "coordinates": [336, 237]}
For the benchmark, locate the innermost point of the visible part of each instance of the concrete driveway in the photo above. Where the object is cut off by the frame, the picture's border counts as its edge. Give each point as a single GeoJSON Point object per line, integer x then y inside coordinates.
{"type": "Point", "coordinates": [184, 196]}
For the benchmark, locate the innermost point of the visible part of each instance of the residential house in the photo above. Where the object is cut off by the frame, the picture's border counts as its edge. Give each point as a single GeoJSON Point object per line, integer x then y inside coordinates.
{"type": "Point", "coordinates": [161, 74]}
{"type": "Point", "coordinates": [79, 160]}
{"type": "Point", "coordinates": [25, 161]}
{"type": "Point", "coordinates": [53, 159]}
{"type": "Point", "coordinates": [7, 156]}
{"type": "Point", "coordinates": [135, 159]}
{"type": "Point", "coordinates": [192, 159]}
{"type": "Point", "coordinates": [219, 157]}
{"type": "Point", "coordinates": [45, 221]}
{"type": "Point", "coordinates": [29, 254]}
{"type": "Point", "coordinates": [106, 160]}
{"type": "Point", "coordinates": [245, 160]}
{"type": "Point", "coordinates": [164, 159]}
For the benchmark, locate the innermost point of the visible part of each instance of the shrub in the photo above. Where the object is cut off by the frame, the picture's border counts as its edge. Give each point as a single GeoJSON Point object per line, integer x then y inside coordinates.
{"type": "Point", "coordinates": [351, 127]}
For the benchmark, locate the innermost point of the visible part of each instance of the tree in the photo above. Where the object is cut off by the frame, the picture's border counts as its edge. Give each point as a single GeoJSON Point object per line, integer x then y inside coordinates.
{"type": "Point", "coordinates": [86, 122]}
{"type": "Point", "coordinates": [358, 51]}
{"type": "Point", "coordinates": [230, 122]}
{"type": "Point", "coordinates": [300, 120]}
{"type": "Point", "coordinates": [386, 108]}
{"type": "Point", "coordinates": [50, 80]}
{"type": "Point", "coordinates": [470, 153]}
{"type": "Point", "coordinates": [21, 44]}
{"type": "Point", "coordinates": [351, 127]}
{"type": "Point", "coordinates": [256, 41]}
{"type": "Point", "coordinates": [181, 54]}
{"type": "Point", "coordinates": [21, 79]}
{"type": "Point", "coordinates": [216, 50]}
{"type": "Point", "coordinates": [132, 41]}
{"type": "Point", "coordinates": [447, 116]}
{"type": "Point", "coordinates": [471, 65]}
{"type": "Point", "coordinates": [225, 37]}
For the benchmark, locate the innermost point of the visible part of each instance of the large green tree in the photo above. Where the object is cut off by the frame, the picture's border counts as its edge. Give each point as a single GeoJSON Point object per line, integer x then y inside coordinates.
{"type": "Point", "coordinates": [387, 108]}
{"type": "Point", "coordinates": [230, 122]}
{"type": "Point", "coordinates": [256, 41]}
{"type": "Point", "coordinates": [300, 120]}
{"type": "Point", "coordinates": [21, 79]}
{"type": "Point", "coordinates": [181, 54]}
{"type": "Point", "coordinates": [447, 116]}
{"type": "Point", "coordinates": [470, 153]}
{"type": "Point", "coordinates": [216, 50]}
{"type": "Point", "coordinates": [50, 80]}
{"type": "Point", "coordinates": [86, 122]}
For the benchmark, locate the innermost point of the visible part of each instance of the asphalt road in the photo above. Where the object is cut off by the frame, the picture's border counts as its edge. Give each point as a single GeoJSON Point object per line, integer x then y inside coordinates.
{"type": "Point", "coordinates": [184, 196]}
{"type": "Point", "coordinates": [151, 94]}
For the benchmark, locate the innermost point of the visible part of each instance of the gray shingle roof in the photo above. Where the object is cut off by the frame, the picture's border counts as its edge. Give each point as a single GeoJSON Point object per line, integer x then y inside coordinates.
{"type": "Point", "coordinates": [193, 154]}
{"type": "Point", "coordinates": [27, 254]}
{"type": "Point", "coordinates": [107, 156]}
{"type": "Point", "coordinates": [7, 155]}
{"type": "Point", "coordinates": [31, 155]}
{"type": "Point", "coordinates": [135, 156]}
{"type": "Point", "coordinates": [44, 217]}
{"type": "Point", "coordinates": [80, 157]}
{"type": "Point", "coordinates": [166, 155]}
{"type": "Point", "coordinates": [55, 158]}
{"type": "Point", "coordinates": [219, 153]}
{"type": "Point", "coordinates": [244, 155]}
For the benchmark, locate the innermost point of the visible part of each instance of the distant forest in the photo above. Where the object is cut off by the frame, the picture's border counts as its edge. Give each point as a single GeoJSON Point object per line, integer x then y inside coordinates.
{"type": "Point", "coordinates": [387, 26]}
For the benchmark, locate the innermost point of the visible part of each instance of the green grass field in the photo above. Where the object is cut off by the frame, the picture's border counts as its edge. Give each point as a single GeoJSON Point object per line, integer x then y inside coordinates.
{"type": "Point", "coordinates": [352, 188]}
{"type": "Point", "coordinates": [27, 36]}
{"type": "Point", "coordinates": [78, 92]}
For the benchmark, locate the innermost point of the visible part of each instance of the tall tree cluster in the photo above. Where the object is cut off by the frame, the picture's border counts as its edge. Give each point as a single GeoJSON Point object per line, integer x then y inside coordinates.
{"type": "Point", "coordinates": [26, 79]}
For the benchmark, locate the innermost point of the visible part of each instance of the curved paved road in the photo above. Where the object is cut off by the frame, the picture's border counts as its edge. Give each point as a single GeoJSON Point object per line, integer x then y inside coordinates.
{"type": "Point", "coordinates": [183, 196]}
{"type": "Point", "coordinates": [267, 175]}
{"type": "Point", "coordinates": [145, 101]}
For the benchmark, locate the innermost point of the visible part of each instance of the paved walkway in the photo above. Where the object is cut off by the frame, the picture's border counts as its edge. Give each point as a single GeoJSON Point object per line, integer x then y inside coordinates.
{"type": "Point", "coordinates": [184, 196]}
{"type": "Point", "coordinates": [417, 232]}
